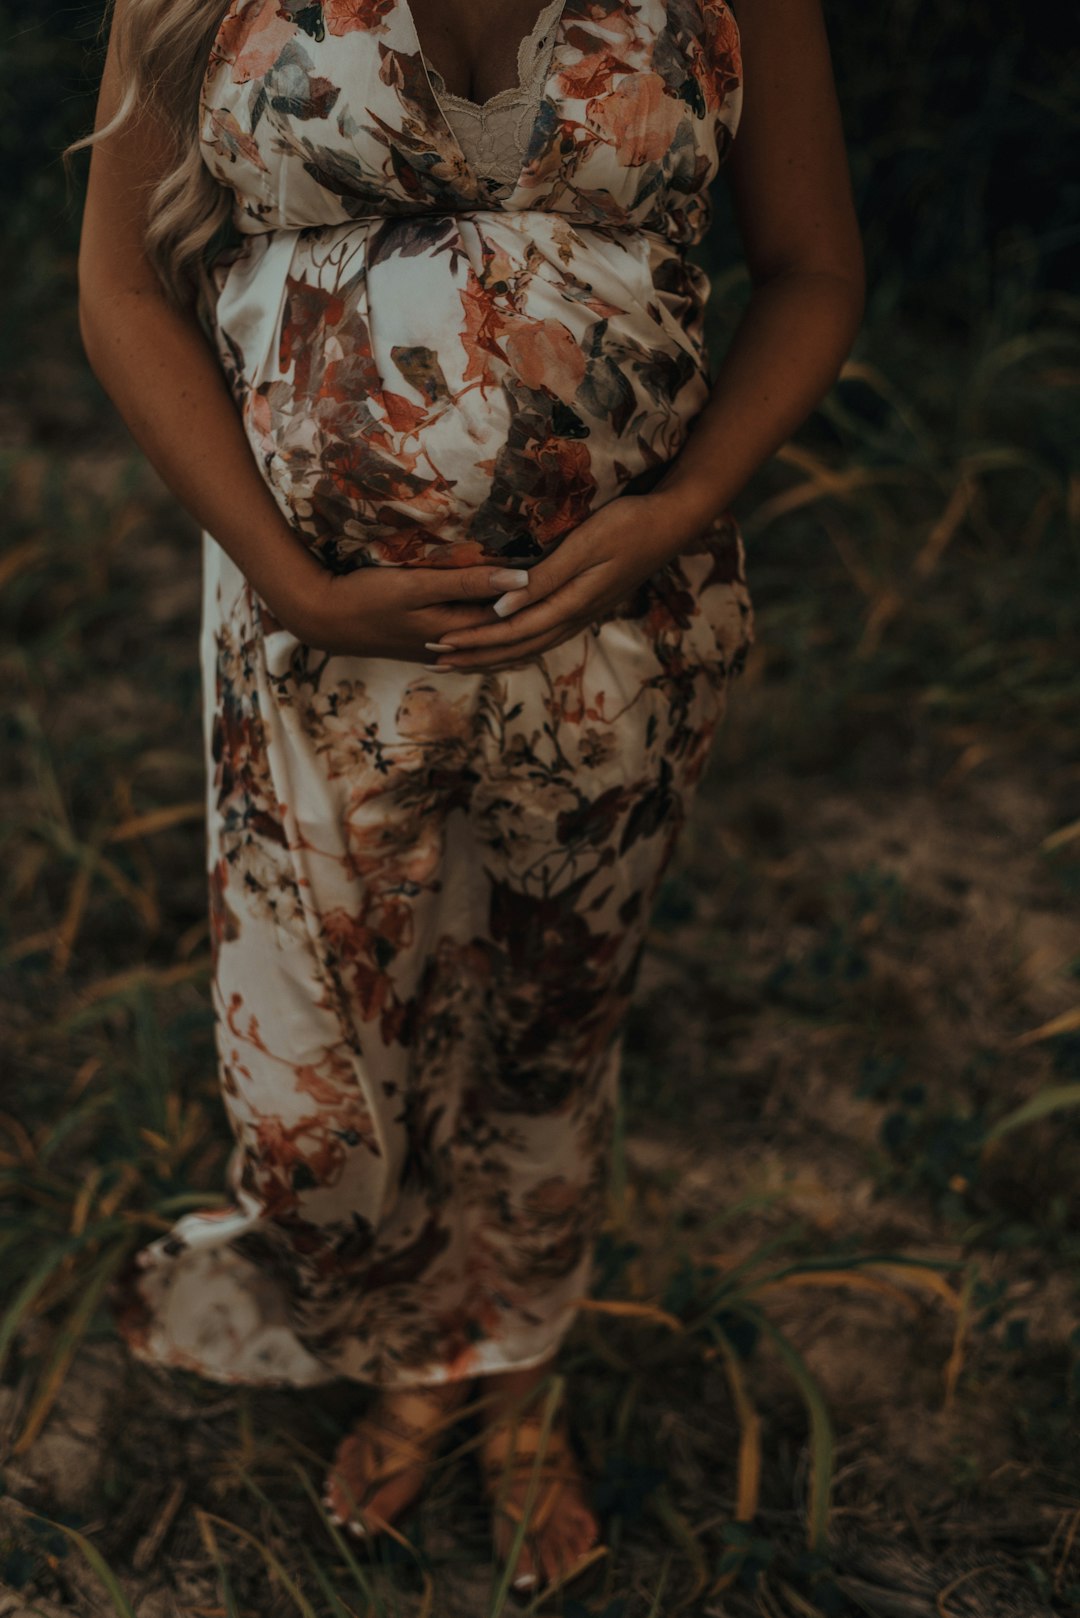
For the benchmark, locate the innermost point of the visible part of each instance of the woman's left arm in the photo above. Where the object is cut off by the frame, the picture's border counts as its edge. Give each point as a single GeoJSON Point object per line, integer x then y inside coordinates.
{"type": "Point", "coordinates": [791, 191]}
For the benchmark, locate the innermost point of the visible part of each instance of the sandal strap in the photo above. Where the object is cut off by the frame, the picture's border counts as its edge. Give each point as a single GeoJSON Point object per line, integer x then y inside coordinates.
{"type": "Point", "coordinates": [405, 1442]}
{"type": "Point", "coordinates": [504, 1447]}
{"type": "Point", "coordinates": [397, 1443]}
{"type": "Point", "coordinates": [543, 1506]}
{"type": "Point", "coordinates": [523, 1468]}
{"type": "Point", "coordinates": [514, 1452]}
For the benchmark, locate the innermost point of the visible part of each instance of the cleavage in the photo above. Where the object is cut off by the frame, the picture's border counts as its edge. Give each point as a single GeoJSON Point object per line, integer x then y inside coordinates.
{"type": "Point", "coordinates": [474, 44]}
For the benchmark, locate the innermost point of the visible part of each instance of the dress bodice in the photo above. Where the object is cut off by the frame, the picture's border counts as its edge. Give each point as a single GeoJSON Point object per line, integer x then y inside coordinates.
{"type": "Point", "coordinates": [435, 363]}
{"type": "Point", "coordinates": [318, 113]}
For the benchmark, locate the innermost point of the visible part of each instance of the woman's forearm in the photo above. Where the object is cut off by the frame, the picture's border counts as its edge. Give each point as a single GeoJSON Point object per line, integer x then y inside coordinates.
{"type": "Point", "coordinates": [160, 371]}
{"type": "Point", "coordinates": [787, 351]}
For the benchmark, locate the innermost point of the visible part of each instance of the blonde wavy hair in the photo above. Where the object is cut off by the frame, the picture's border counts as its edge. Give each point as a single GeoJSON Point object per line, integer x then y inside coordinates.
{"type": "Point", "coordinates": [163, 49]}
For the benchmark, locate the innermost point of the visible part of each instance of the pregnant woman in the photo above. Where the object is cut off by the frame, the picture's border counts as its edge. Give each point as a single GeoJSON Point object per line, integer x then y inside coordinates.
{"type": "Point", "coordinates": [395, 295]}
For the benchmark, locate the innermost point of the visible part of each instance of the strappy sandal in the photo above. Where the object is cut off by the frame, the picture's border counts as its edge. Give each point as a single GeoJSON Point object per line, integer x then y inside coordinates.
{"type": "Point", "coordinates": [515, 1460]}
{"type": "Point", "coordinates": [397, 1446]}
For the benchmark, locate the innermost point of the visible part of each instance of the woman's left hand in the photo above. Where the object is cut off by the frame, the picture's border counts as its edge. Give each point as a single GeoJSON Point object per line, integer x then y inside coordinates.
{"type": "Point", "coordinates": [592, 570]}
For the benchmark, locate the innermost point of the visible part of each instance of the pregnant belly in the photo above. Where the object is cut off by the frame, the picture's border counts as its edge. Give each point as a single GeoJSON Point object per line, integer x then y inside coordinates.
{"type": "Point", "coordinates": [450, 389]}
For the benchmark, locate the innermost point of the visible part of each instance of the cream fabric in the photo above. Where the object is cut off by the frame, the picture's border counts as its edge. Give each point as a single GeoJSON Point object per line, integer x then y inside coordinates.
{"type": "Point", "coordinates": [430, 890]}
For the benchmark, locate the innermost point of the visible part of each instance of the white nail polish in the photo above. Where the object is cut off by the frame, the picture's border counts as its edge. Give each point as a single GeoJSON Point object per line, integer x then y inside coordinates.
{"type": "Point", "coordinates": [510, 603]}
{"type": "Point", "coordinates": [439, 646]}
{"type": "Point", "coordinates": [509, 578]}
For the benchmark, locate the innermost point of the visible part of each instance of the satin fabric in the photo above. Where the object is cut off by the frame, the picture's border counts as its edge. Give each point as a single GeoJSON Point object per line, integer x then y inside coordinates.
{"type": "Point", "coordinates": [430, 891]}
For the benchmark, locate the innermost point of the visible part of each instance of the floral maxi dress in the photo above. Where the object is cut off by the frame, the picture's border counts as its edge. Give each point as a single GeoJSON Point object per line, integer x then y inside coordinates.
{"type": "Point", "coordinates": [430, 890]}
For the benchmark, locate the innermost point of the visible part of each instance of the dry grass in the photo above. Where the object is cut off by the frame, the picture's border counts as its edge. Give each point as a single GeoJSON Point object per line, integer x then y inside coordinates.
{"type": "Point", "coordinates": [833, 1343]}
{"type": "Point", "coordinates": [831, 1364]}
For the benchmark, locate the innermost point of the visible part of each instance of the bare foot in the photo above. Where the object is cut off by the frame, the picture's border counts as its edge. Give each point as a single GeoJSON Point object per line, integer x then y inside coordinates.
{"type": "Point", "coordinates": [562, 1528]}
{"type": "Point", "coordinates": [380, 1467]}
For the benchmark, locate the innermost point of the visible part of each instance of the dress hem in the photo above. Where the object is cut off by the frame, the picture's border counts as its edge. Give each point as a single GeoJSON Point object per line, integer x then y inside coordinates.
{"type": "Point", "coordinates": [176, 1360]}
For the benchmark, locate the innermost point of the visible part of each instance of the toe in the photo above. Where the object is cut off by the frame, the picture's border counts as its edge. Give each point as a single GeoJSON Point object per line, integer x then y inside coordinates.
{"type": "Point", "coordinates": [524, 1575]}
{"type": "Point", "coordinates": [557, 1558]}
{"type": "Point", "coordinates": [588, 1531]}
{"type": "Point", "coordinates": [341, 1503]}
{"type": "Point", "coordinates": [524, 1569]}
{"type": "Point", "coordinates": [565, 1546]}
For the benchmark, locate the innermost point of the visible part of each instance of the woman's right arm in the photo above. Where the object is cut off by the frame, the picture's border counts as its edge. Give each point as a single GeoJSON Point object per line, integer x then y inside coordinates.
{"type": "Point", "coordinates": [159, 369]}
{"type": "Point", "coordinates": [165, 379]}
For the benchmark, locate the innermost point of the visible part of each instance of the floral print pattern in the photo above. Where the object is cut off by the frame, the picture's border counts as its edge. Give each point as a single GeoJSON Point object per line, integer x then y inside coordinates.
{"type": "Point", "coordinates": [429, 892]}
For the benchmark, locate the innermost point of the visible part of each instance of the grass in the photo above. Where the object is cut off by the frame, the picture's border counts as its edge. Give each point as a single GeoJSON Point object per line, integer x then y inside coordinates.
{"type": "Point", "coordinates": [831, 1359]}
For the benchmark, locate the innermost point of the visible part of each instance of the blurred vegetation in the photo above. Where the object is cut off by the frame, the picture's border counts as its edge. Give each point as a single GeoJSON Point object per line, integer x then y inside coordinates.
{"type": "Point", "coordinates": [835, 1341]}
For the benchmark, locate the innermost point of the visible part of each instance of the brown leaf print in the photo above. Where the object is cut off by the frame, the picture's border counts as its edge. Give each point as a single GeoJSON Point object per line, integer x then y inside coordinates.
{"type": "Point", "coordinates": [638, 117]}
{"type": "Point", "coordinates": [429, 892]}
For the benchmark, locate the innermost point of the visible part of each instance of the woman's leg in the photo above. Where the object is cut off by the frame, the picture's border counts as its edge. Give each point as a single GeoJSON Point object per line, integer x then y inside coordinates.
{"type": "Point", "coordinates": [559, 1537]}
{"type": "Point", "coordinates": [381, 1465]}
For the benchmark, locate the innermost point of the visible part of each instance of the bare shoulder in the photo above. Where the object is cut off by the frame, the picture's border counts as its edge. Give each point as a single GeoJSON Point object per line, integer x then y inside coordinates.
{"type": "Point", "coordinates": [788, 169]}
{"type": "Point", "coordinates": [146, 132]}
{"type": "Point", "coordinates": [134, 150]}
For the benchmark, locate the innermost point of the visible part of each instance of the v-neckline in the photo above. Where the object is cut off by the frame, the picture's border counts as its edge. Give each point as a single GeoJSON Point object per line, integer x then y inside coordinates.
{"type": "Point", "coordinates": [481, 106]}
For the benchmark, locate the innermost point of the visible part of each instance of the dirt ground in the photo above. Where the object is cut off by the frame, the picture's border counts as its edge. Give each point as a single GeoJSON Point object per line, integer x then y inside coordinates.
{"type": "Point", "coordinates": [871, 913]}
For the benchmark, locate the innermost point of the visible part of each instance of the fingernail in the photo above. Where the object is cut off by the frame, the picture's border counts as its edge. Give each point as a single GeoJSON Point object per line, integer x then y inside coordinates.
{"type": "Point", "coordinates": [439, 646]}
{"type": "Point", "coordinates": [509, 578]}
{"type": "Point", "coordinates": [524, 1581]}
{"type": "Point", "coordinates": [510, 603]}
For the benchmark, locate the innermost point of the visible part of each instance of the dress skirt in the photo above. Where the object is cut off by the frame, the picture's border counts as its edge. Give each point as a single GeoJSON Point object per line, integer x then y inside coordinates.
{"type": "Point", "coordinates": [429, 897]}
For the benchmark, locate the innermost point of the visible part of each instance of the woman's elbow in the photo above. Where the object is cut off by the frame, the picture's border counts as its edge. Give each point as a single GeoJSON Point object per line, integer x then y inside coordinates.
{"type": "Point", "coordinates": [88, 326]}
{"type": "Point", "coordinates": [854, 282]}
{"type": "Point", "coordinates": [94, 301]}
{"type": "Point", "coordinates": [854, 273]}
{"type": "Point", "coordinates": [844, 271]}
{"type": "Point", "coordinates": [109, 296]}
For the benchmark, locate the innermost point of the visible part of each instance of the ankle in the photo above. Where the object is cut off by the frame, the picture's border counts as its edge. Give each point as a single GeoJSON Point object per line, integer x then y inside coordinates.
{"type": "Point", "coordinates": [509, 1394]}
{"type": "Point", "coordinates": [434, 1395]}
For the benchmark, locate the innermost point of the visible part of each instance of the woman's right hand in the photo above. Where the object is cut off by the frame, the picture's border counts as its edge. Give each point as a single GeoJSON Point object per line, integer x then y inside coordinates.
{"type": "Point", "coordinates": [397, 612]}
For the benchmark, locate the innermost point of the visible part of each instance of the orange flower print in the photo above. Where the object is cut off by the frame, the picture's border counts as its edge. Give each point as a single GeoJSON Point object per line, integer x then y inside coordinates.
{"type": "Point", "coordinates": [252, 44]}
{"type": "Point", "coordinates": [347, 16]}
{"type": "Point", "coordinates": [545, 355]}
{"type": "Point", "coordinates": [722, 53]}
{"type": "Point", "coordinates": [430, 889]}
{"type": "Point", "coordinates": [639, 118]}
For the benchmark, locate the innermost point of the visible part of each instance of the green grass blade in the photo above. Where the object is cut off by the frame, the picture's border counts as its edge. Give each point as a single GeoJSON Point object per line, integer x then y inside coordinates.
{"type": "Point", "coordinates": [681, 1531]}
{"type": "Point", "coordinates": [71, 1121]}
{"type": "Point", "coordinates": [1052, 1099]}
{"type": "Point", "coordinates": [94, 1559]}
{"type": "Point", "coordinates": [735, 1210]}
{"type": "Point", "coordinates": [360, 1578]}
{"type": "Point", "coordinates": [334, 1601]}
{"type": "Point", "coordinates": [502, 1590]}
{"type": "Point", "coordinates": [209, 1539]}
{"type": "Point", "coordinates": [728, 1281]}
{"type": "Point", "coordinates": [655, 1609]}
{"type": "Point", "coordinates": [30, 1290]}
{"type": "Point", "coordinates": [822, 1438]}
{"type": "Point", "coordinates": [275, 1567]}
{"type": "Point", "coordinates": [67, 1341]}
{"type": "Point", "coordinates": [338, 1606]}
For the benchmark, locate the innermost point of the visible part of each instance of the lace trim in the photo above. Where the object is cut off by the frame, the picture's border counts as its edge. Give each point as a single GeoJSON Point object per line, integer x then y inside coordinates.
{"type": "Point", "coordinates": [494, 134]}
